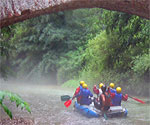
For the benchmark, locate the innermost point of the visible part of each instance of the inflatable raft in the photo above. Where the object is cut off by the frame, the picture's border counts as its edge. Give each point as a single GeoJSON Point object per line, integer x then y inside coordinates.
{"type": "Point", "coordinates": [91, 111]}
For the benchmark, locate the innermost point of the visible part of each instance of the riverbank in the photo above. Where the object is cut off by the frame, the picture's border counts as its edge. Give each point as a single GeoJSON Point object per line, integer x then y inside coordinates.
{"type": "Point", "coordinates": [132, 86]}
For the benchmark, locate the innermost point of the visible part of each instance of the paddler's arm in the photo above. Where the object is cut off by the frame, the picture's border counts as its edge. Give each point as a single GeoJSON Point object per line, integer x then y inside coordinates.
{"type": "Point", "coordinates": [103, 101]}
{"type": "Point", "coordinates": [76, 92]}
{"type": "Point", "coordinates": [95, 90]}
{"type": "Point", "coordinates": [125, 97]}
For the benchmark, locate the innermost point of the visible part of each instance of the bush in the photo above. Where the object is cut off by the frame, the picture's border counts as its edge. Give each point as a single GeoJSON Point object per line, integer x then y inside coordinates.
{"type": "Point", "coordinates": [141, 63]}
{"type": "Point", "coordinates": [130, 82]}
{"type": "Point", "coordinates": [13, 98]}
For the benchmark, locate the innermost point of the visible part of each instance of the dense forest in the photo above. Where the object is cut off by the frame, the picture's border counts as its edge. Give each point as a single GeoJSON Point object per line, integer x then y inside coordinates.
{"type": "Point", "coordinates": [94, 45]}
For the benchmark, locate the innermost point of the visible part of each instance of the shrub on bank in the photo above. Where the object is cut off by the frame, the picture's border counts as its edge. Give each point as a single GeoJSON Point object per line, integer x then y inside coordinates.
{"type": "Point", "coordinates": [13, 98]}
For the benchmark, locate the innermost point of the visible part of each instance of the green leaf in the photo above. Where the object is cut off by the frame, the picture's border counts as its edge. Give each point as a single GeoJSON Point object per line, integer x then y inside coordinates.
{"type": "Point", "coordinates": [28, 108]}
{"type": "Point", "coordinates": [22, 105]}
{"type": "Point", "coordinates": [13, 98]}
{"type": "Point", "coordinates": [7, 110]}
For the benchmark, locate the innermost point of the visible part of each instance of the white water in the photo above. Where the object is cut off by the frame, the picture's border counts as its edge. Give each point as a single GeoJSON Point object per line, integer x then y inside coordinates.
{"type": "Point", "coordinates": [47, 108]}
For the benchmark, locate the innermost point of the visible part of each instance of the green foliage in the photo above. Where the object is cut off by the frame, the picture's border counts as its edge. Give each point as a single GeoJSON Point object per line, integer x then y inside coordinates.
{"type": "Point", "coordinates": [13, 98]}
{"type": "Point", "coordinates": [74, 61]}
{"type": "Point", "coordinates": [133, 36]}
{"type": "Point", "coordinates": [111, 55]}
{"type": "Point", "coordinates": [90, 44]}
{"type": "Point", "coordinates": [44, 44]}
{"type": "Point", "coordinates": [100, 52]}
{"type": "Point", "coordinates": [141, 63]}
{"type": "Point", "coordinates": [6, 51]}
{"type": "Point", "coordinates": [71, 84]}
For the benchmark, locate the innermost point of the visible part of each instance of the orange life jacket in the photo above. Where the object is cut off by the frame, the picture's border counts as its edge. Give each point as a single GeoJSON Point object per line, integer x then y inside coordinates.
{"type": "Point", "coordinates": [105, 99]}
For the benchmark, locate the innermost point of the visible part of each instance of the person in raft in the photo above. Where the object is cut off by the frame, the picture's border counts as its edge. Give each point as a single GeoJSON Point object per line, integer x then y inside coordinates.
{"type": "Point", "coordinates": [118, 97]}
{"type": "Point", "coordinates": [105, 99]}
{"type": "Point", "coordinates": [85, 95]}
{"type": "Point", "coordinates": [112, 88]}
{"type": "Point", "coordinates": [77, 91]}
{"type": "Point", "coordinates": [98, 92]}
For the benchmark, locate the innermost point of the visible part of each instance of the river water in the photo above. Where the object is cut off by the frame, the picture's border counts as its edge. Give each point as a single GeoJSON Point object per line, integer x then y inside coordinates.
{"type": "Point", "coordinates": [48, 109]}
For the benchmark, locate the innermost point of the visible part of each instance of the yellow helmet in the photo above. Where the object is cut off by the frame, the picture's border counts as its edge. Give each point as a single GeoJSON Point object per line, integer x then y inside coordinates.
{"type": "Point", "coordinates": [84, 85]}
{"type": "Point", "coordinates": [100, 85]}
{"type": "Point", "coordinates": [82, 82]}
{"type": "Point", "coordinates": [112, 85]}
{"type": "Point", "coordinates": [118, 89]}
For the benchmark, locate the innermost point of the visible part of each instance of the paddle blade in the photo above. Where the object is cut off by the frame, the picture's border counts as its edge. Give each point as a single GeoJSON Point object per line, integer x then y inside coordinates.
{"type": "Point", "coordinates": [138, 100]}
{"type": "Point", "coordinates": [105, 116]}
{"type": "Point", "coordinates": [65, 98]}
{"type": "Point", "coordinates": [68, 103]}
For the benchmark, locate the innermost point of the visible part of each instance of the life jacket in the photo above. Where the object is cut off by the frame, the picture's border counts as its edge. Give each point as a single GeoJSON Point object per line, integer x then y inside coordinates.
{"type": "Point", "coordinates": [112, 90]}
{"type": "Point", "coordinates": [105, 99]}
{"type": "Point", "coordinates": [85, 93]}
{"type": "Point", "coordinates": [117, 99]}
{"type": "Point", "coordinates": [112, 99]}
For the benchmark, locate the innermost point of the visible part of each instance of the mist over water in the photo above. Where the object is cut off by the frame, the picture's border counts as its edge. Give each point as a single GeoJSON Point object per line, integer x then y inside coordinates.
{"type": "Point", "coordinates": [48, 109]}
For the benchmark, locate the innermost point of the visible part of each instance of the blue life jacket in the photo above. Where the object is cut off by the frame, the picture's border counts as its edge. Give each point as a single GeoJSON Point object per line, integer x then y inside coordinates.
{"type": "Point", "coordinates": [117, 99]}
{"type": "Point", "coordinates": [112, 90]}
{"type": "Point", "coordinates": [85, 93]}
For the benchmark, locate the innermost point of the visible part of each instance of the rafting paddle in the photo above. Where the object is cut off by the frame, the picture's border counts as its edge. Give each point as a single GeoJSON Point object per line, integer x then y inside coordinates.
{"type": "Point", "coordinates": [68, 103]}
{"type": "Point", "coordinates": [104, 113]}
{"type": "Point", "coordinates": [136, 99]}
{"type": "Point", "coordinates": [105, 116]}
{"type": "Point", "coordinates": [65, 97]}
